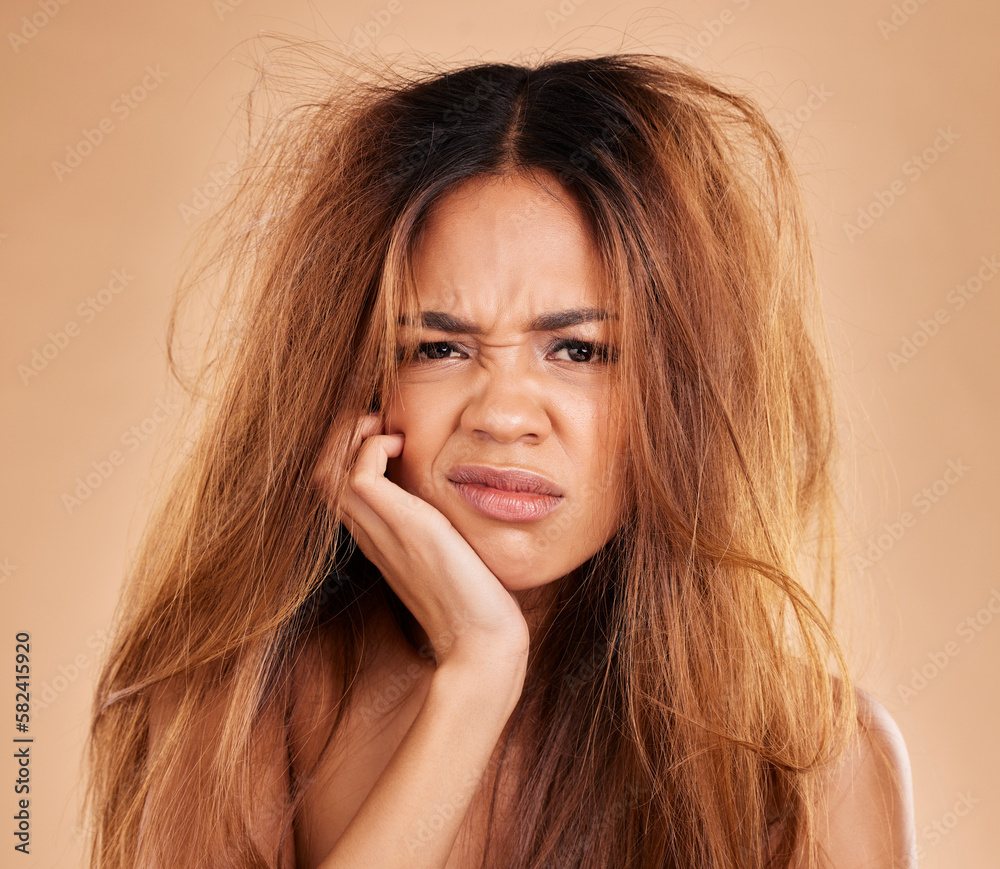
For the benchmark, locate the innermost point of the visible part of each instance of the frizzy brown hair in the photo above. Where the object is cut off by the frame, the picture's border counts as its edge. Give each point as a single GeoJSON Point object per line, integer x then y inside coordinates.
{"type": "Point", "coordinates": [684, 685]}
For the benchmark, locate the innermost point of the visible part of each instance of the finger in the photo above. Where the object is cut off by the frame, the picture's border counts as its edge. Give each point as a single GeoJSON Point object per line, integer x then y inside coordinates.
{"type": "Point", "coordinates": [363, 428]}
{"type": "Point", "coordinates": [341, 446]}
{"type": "Point", "coordinates": [373, 458]}
{"type": "Point", "coordinates": [367, 425]}
{"type": "Point", "coordinates": [368, 479]}
{"type": "Point", "coordinates": [359, 500]}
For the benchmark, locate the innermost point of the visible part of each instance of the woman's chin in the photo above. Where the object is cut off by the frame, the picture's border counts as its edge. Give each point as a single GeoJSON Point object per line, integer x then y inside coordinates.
{"type": "Point", "coordinates": [521, 574]}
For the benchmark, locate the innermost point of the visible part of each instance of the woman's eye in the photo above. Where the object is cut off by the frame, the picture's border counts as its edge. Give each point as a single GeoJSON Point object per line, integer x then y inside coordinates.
{"type": "Point", "coordinates": [584, 351]}
{"type": "Point", "coordinates": [436, 349]}
{"type": "Point", "coordinates": [431, 350]}
{"type": "Point", "coordinates": [576, 351]}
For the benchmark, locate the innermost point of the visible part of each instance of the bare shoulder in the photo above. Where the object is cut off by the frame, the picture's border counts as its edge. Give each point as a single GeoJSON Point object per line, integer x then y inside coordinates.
{"type": "Point", "coordinates": [864, 812]}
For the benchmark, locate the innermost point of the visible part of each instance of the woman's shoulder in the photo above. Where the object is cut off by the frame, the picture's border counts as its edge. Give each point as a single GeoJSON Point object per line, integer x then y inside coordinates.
{"type": "Point", "coordinates": [864, 808]}
{"type": "Point", "coordinates": [880, 737]}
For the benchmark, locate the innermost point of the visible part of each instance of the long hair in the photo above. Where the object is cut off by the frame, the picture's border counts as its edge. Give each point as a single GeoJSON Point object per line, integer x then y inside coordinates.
{"type": "Point", "coordinates": [689, 685]}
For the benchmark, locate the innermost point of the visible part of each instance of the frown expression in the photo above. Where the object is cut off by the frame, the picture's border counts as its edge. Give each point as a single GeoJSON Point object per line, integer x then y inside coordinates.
{"type": "Point", "coordinates": [486, 388]}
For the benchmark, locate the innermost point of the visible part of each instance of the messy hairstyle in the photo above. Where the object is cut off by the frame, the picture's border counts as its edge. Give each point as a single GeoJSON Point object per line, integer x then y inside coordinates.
{"type": "Point", "coordinates": [689, 686]}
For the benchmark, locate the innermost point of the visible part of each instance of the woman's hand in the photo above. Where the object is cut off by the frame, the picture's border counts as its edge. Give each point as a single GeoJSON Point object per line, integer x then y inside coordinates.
{"type": "Point", "coordinates": [463, 607]}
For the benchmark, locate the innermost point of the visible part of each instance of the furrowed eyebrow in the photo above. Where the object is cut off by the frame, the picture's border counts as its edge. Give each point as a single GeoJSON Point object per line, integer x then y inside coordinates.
{"type": "Point", "coordinates": [441, 321]}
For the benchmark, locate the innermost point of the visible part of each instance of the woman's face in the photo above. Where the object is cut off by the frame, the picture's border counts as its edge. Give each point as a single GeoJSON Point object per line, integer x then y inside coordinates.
{"type": "Point", "coordinates": [495, 385]}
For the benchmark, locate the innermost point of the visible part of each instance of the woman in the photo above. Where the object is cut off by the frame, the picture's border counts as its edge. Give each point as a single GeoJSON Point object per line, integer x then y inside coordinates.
{"type": "Point", "coordinates": [503, 533]}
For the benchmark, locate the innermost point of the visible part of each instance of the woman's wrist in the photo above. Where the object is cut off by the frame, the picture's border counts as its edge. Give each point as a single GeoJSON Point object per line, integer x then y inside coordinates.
{"type": "Point", "coordinates": [489, 676]}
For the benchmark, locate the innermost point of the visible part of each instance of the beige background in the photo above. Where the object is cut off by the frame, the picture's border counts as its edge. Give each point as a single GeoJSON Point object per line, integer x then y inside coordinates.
{"type": "Point", "coordinates": [861, 102]}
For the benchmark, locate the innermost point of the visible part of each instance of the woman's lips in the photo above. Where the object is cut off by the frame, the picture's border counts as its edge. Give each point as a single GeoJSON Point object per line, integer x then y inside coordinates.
{"type": "Point", "coordinates": [506, 479]}
{"type": "Point", "coordinates": [510, 494]}
{"type": "Point", "coordinates": [508, 506]}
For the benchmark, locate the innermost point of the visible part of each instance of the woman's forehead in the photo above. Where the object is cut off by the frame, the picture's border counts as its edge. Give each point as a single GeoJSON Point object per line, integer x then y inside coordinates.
{"type": "Point", "coordinates": [501, 248]}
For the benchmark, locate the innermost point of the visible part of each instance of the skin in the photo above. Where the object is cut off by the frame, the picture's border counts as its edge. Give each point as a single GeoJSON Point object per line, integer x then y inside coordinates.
{"type": "Point", "coordinates": [865, 815]}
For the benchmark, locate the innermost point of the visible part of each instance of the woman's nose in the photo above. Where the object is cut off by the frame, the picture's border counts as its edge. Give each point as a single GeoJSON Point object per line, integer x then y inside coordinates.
{"type": "Point", "coordinates": [507, 407]}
